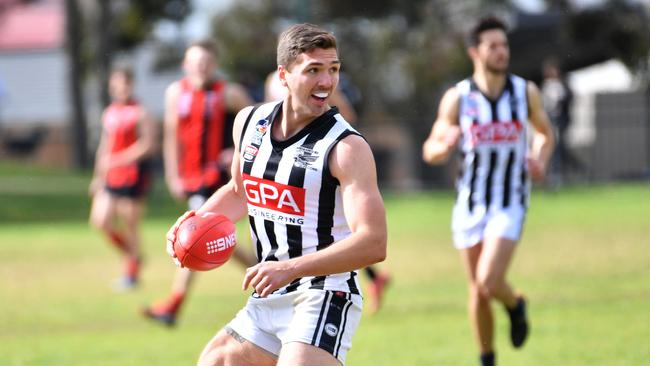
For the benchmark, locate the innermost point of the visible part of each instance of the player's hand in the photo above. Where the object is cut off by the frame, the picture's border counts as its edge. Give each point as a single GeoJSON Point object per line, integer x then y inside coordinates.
{"type": "Point", "coordinates": [536, 168]}
{"type": "Point", "coordinates": [95, 186]}
{"type": "Point", "coordinates": [171, 236]}
{"type": "Point", "coordinates": [176, 189]}
{"type": "Point", "coordinates": [267, 277]}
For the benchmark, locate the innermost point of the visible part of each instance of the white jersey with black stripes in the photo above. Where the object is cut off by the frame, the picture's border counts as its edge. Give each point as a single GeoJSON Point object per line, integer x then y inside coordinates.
{"type": "Point", "coordinates": [493, 148]}
{"type": "Point", "coordinates": [294, 203]}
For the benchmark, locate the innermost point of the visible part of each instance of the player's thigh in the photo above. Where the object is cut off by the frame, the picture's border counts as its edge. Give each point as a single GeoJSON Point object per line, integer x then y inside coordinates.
{"type": "Point", "coordinates": [130, 210]}
{"type": "Point", "coordinates": [228, 348]}
{"type": "Point", "coordinates": [102, 210]}
{"type": "Point", "coordinates": [302, 354]}
{"type": "Point", "coordinates": [495, 259]}
{"type": "Point", "coordinates": [470, 257]}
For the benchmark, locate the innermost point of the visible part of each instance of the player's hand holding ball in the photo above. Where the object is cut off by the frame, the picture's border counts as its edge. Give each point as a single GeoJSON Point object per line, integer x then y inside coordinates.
{"type": "Point", "coordinates": [201, 242]}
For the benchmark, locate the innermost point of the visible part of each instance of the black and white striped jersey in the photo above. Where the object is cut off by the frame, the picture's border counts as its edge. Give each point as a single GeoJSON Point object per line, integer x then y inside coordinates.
{"type": "Point", "coordinates": [493, 147]}
{"type": "Point", "coordinates": [294, 203]}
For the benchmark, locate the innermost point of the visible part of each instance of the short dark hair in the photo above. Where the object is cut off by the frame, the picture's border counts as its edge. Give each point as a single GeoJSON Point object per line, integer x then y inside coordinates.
{"type": "Point", "coordinates": [301, 38]}
{"type": "Point", "coordinates": [484, 24]}
{"type": "Point", "coordinates": [207, 45]}
{"type": "Point", "coordinates": [123, 70]}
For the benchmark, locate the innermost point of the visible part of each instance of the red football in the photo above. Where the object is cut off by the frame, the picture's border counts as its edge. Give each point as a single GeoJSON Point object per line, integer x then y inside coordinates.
{"type": "Point", "coordinates": [204, 242]}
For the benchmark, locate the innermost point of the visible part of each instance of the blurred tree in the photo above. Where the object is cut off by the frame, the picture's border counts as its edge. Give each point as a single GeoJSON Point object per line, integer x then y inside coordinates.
{"type": "Point", "coordinates": [113, 25]}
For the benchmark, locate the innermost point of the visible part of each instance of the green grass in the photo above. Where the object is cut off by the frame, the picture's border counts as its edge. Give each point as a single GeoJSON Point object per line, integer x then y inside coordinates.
{"type": "Point", "coordinates": [583, 262]}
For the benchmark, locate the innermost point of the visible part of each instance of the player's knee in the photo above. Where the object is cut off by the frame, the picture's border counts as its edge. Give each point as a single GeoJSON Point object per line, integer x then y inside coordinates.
{"type": "Point", "coordinates": [478, 295]}
{"type": "Point", "coordinates": [487, 286]}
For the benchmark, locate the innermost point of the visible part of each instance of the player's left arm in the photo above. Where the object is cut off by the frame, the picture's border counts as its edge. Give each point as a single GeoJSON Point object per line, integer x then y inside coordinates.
{"type": "Point", "coordinates": [350, 162]}
{"type": "Point", "coordinates": [144, 146]}
{"type": "Point", "coordinates": [543, 141]}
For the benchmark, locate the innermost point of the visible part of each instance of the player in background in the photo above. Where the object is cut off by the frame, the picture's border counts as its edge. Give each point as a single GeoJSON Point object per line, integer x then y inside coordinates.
{"type": "Point", "coordinates": [275, 91]}
{"type": "Point", "coordinates": [122, 172]}
{"type": "Point", "coordinates": [488, 115]}
{"type": "Point", "coordinates": [197, 150]}
{"type": "Point", "coordinates": [307, 182]}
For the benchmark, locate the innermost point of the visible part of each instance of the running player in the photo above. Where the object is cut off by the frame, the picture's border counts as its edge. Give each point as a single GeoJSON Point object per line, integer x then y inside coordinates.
{"type": "Point", "coordinates": [122, 173]}
{"type": "Point", "coordinates": [489, 114]}
{"type": "Point", "coordinates": [275, 91]}
{"type": "Point", "coordinates": [306, 180]}
{"type": "Point", "coordinates": [197, 150]}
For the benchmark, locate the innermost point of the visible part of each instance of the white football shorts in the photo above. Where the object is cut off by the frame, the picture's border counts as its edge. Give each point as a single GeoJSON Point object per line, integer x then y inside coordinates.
{"type": "Point", "coordinates": [322, 318]}
{"type": "Point", "coordinates": [470, 229]}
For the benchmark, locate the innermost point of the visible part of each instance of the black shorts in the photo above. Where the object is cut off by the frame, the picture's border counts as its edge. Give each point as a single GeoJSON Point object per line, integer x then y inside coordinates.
{"type": "Point", "coordinates": [137, 190]}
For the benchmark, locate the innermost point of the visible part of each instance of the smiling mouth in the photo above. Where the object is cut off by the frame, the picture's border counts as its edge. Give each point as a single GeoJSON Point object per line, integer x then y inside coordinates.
{"type": "Point", "coordinates": [321, 96]}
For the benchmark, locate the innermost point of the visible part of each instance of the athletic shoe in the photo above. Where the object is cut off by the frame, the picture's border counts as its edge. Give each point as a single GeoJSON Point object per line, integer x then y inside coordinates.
{"type": "Point", "coordinates": [160, 315]}
{"type": "Point", "coordinates": [125, 284]}
{"type": "Point", "coordinates": [376, 289]}
{"type": "Point", "coordinates": [518, 323]}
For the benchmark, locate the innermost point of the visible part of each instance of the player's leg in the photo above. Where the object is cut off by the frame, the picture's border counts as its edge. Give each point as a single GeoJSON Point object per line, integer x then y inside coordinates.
{"type": "Point", "coordinates": [479, 308]}
{"type": "Point", "coordinates": [166, 311]}
{"type": "Point", "coordinates": [378, 281]}
{"type": "Point", "coordinates": [491, 276]}
{"type": "Point", "coordinates": [130, 210]}
{"type": "Point", "coordinates": [228, 348]}
{"type": "Point", "coordinates": [102, 217]}
{"type": "Point", "coordinates": [302, 354]}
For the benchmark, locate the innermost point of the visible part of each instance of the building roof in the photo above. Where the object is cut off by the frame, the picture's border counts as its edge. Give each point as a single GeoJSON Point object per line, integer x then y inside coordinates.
{"type": "Point", "coordinates": [35, 26]}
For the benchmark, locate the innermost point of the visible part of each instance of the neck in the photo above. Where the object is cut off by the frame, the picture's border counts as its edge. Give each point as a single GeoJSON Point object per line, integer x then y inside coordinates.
{"type": "Point", "coordinates": [198, 83]}
{"type": "Point", "coordinates": [490, 83]}
{"type": "Point", "coordinates": [291, 121]}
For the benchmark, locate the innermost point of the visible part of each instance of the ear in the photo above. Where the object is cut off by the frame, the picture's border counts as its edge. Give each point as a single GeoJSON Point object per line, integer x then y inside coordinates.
{"type": "Point", "coordinates": [282, 71]}
{"type": "Point", "coordinates": [472, 52]}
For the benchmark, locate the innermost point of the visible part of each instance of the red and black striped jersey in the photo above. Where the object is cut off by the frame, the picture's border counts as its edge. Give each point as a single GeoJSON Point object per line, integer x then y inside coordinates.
{"type": "Point", "coordinates": [120, 123]}
{"type": "Point", "coordinates": [201, 131]}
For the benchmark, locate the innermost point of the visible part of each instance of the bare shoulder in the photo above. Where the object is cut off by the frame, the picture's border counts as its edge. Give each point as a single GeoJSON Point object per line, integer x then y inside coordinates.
{"type": "Point", "coordinates": [351, 156]}
{"type": "Point", "coordinates": [449, 104]}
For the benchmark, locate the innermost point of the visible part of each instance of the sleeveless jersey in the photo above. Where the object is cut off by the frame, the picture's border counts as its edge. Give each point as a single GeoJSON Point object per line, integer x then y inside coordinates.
{"type": "Point", "coordinates": [120, 121]}
{"type": "Point", "coordinates": [493, 147]}
{"type": "Point", "coordinates": [294, 203]}
{"type": "Point", "coordinates": [200, 133]}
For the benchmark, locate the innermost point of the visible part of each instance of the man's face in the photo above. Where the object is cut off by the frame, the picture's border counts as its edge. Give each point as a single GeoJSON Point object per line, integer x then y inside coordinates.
{"type": "Point", "coordinates": [311, 80]}
{"type": "Point", "coordinates": [120, 87]}
{"type": "Point", "coordinates": [199, 64]}
{"type": "Point", "coordinates": [493, 51]}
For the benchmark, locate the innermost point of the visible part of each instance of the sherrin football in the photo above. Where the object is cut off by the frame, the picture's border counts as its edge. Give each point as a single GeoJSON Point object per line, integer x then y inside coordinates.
{"type": "Point", "coordinates": [205, 241]}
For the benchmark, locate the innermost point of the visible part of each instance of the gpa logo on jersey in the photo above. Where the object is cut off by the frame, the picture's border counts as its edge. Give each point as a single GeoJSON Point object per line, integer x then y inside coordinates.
{"type": "Point", "coordinates": [305, 157]}
{"type": "Point", "coordinates": [495, 133]}
{"type": "Point", "coordinates": [250, 152]}
{"type": "Point", "coordinates": [274, 196]}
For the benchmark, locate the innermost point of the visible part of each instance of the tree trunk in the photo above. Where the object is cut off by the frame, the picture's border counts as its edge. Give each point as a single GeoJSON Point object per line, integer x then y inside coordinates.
{"type": "Point", "coordinates": [75, 83]}
{"type": "Point", "coordinates": [104, 31]}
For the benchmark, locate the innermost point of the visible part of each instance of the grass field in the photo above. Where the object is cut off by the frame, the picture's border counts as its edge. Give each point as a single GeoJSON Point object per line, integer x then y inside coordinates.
{"type": "Point", "coordinates": [584, 263]}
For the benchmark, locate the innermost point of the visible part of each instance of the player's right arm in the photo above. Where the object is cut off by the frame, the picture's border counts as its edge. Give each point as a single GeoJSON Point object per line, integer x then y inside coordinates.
{"type": "Point", "coordinates": [100, 170]}
{"type": "Point", "coordinates": [230, 200]}
{"type": "Point", "coordinates": [170, 142]}
{"type": "Point", "coordinates": [445, 132]}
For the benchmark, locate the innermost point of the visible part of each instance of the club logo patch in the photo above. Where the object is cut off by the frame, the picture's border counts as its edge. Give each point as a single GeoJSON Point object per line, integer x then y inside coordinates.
{"type": "Point", "coordinates": [250, 152]}
{"type": "Point", "coordinates": [305, 157]}
{"type": "Point", "coordinates": [331, 329]}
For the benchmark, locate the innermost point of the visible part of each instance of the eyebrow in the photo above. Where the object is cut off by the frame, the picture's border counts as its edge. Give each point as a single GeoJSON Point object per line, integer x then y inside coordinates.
{"type": "Point", "coordinates": [316, 63]}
